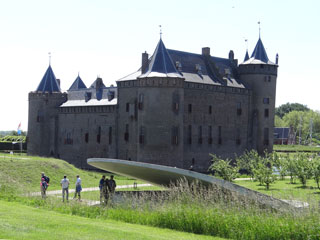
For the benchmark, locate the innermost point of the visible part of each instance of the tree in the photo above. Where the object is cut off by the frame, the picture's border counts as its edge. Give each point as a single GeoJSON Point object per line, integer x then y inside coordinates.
{"type": "Point", "coordinates": [248, 161]}
{"type": "Point", "coordinates": [289, 107]}
{"type": "Point", "coordinates": [263, 171]}
{"type": "Point", "coordinates": [316, 169]}
{"type": "Point", "coordinates": [303, 167]}
{"type": "Point", "coordinates": [223, 168]}
{"type": "Point", "coordinates": [278, 122]}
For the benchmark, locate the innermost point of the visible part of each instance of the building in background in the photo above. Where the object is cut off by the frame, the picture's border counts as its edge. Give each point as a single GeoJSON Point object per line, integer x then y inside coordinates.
{"type": "Point", "coordinates": [175, 110]}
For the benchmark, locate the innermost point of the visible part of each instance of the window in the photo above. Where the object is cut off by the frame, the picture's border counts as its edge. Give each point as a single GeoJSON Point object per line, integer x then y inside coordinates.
{"type": "Point", "coordinates": [175, 135]}
{"type": "Point", "coordinates": [142, 135]}
{"type": "Point", "coordinates": [266, 100]}
{"type": "Point", "coordinates": [200, 135]}
{"type": "Point", "coordinates": [239, 109]}
{"type": "Point", "coordinates": [69, 139]}
{"type": "Point", "coordinates": [190, 108]}
{"type": "Point", "coordinates": [190, 134]}
{"type": "Point", "coordinates": [126, 134]}
{"type": "Point", "coordinates": [127, 107]}
{"type": "Point", "coordinates": [269, 78]}
{"type": "Point", "coordinates": [210, 135]}
{"type": "Point", "coordinates": [99, 135]}
{"type": "Point", "coordinates": [266, 136]}
{"type": "Point", "coordinates": [210, 109]}
{"type": "Point", "coordinates": [110, 135]}
{"type": "Point", "coordinates": [140, 103]}
{"type": "Point", "coordinates": [175, 102]}
{"type": "Point", "coordinates": [219, 135]}
{"type": "Point", "coordinates": [266, 112]}
{"type": "Point", "coordinates": [238, 139]}
{"type": "Point", "coordinates": [86, 137]}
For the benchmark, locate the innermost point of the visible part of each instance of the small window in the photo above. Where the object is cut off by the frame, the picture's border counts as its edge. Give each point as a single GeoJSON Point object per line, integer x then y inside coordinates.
{"type": "Point", "coordinates": [126, 134]}
{"type": "Point", "coordinates": [269, 78]}
{"type": "Point", "coordinates": [99, 135]}
{"type": "Point", "coordinates": [142, 135]}
{"type": "Point", "coordinates": [210, 109]}
{"type": "Point", "coordinates": [266, 100]}
{"type": "Point", "coordinates": [239, 109]}
{"type": "Point", "coordinates": [266, 112]}
{"type": "Point", "coordinates": [175, 136]}
{"type": "Point", "coordinates": [86, 137]}
{"type": "Point", "coordinates": [190, 108]}
{"type": "Point", "coordinates": [219, 135]}
{"type": "Point", "coordinates": [127, 107]}
{"type": "Point", "coordinates": [140, 104]}
{"type": "Point", "coordinates": [238, 137]}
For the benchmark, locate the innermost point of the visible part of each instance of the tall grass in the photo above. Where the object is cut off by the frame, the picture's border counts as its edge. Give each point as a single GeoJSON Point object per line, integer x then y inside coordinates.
{"type": "Point", "coordinates": [191, 208]}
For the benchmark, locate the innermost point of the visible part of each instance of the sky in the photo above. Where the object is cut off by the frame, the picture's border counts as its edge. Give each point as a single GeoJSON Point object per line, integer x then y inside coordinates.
{"type": "Point", "coordinates": [106, 38]}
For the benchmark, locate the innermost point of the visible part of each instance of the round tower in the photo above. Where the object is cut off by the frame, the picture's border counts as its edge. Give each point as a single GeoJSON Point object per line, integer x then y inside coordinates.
{"type": "Point", "coordinates": [43, 116]}
{"type": "Point", "coordinates": [260, 75]}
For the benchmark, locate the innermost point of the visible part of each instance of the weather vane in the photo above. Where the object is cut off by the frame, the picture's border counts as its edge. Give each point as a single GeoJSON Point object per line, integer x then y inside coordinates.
{"type": "Point", "coordinates": [246, 40]}
{"type": "Point", "coordinates": [160, 31]}
{"type": "Point", "coordinates": [259, 28]}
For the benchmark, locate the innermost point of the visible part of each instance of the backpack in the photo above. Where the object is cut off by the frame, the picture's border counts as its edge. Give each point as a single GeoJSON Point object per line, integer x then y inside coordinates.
{"type": "Point", "coordinates": [47, 179]}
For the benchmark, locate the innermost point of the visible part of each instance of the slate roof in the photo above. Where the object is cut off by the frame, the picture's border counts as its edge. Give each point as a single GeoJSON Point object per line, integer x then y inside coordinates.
{"type": "Point", "coordinates": [49, 82]}
{"type": "Point", "coordinates": [198, 68]}
{"type": "Point", "coordinates": [246, 57]}
{"type": "Point", "coordinates": [77, 84]}
{"type": "Point", "coordinates": [161, 64]}
{"type": "Point", "coordinates": [259, 55]}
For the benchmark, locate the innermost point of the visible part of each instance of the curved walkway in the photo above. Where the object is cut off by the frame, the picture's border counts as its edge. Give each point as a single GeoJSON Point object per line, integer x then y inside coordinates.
{"type": "Point", "coordinates": [55, 192]}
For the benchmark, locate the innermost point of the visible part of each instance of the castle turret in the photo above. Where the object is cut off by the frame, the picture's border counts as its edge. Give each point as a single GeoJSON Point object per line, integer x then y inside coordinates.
{"type": "Point", "coordinates": [43, 116]}
{"type": "Point", "coordinates": [260, 74]}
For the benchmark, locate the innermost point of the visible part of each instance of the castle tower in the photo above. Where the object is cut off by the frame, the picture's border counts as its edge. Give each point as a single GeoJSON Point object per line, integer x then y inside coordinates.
{"type": "Point", "coordinates": [43, 116]}
{"type": "Point", "coordinates": [260, 75]}
{"type": "Point", "coordinates": [151, 112]}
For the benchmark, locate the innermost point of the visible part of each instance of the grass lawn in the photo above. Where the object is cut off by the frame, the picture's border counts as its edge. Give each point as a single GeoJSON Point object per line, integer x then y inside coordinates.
{"type": "Point", "coordinates": [300, 148]}
{"type": "Point", "coordinates": [23, 173]}
{"type": "Point", "coordinates": [22, 222]}
{"type": "Point", "coordinates": [283, 189]}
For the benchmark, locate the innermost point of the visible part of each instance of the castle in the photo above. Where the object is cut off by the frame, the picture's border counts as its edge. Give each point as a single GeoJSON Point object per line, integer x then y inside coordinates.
{"type": "Point", "coordinates": [175, 110]}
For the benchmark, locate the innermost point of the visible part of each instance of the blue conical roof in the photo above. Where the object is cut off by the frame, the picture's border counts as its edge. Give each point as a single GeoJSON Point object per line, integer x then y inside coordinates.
{"type": "Point", "coordinates": [246, 57]}
{"type": "Point", "coordinates": [161, 64]}
{"type": "Point", "coordinates": [49, 82]}
{"type": "Point", "coordinates": [77, 84]}
{"type": "Point", "coordinates": [259, 52]}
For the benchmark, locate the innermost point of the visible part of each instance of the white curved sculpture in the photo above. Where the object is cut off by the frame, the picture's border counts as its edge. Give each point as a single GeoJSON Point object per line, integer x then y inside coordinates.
{"type": "Point", "coordinates": [164, 176]}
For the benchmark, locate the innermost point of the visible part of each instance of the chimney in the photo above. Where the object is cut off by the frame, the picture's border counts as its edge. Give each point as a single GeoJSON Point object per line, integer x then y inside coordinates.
{"type": "Point", "coordinates": [99, 83]}
{"type": "Point", "coordinates": [58, 80]}
{"type": "Point", "coordinates": [206, 51]}
{"type": "Point", "coordinates": [145, 61]}
{"type": "Point", "coordinates": [231, 55]}
{"type": "Point", "coordinates": [277, 58]}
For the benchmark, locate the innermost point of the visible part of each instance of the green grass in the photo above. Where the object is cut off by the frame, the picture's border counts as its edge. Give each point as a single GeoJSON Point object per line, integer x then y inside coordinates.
{"type": "Point", "coordinates": [22, 222]}
{"type": "Point", "coordinates": [299, 148]}
{"type": "Point", "coordinates": [23, 173]}
{"type": "Point", "coordinates": [283, 189]}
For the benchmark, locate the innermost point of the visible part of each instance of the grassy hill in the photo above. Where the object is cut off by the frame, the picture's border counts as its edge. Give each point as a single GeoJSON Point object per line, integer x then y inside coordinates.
{"type": "Point", "coordinates": [22, 174]}
{"type": "Point", "coordinates": [22, 222]}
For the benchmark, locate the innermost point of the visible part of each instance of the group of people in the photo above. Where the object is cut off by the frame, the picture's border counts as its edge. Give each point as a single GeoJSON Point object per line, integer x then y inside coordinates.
{"type": "Point", "coordinates": [107, 188]}
{"type": "Point", "coordinates": [44, 184]}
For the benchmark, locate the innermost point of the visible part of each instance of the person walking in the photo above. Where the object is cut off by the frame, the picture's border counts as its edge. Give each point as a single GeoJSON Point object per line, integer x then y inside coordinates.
{"type": "Point", "coordinates": [106, 190]}
{"type": "Point", "coordinates": [101, 183]}
{"type": "Point", "coordinates": [112, 184]}
{"type": "Point", "coordinates": [46, 178]}
{"type": "Point", "coordinates": [65, 187]}
{"type": "Point", "coordinates": [43, 187]}
{"type": "Point", "coordinates": [78, 188]}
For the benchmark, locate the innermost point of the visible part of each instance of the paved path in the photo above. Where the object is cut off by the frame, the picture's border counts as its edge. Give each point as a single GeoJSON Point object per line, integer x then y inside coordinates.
{"type": "Point", "coordinates": [55, 192]}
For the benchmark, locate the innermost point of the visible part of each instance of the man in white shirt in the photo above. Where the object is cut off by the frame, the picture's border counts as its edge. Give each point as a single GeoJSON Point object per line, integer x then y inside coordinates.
{"type": "Point", "coordinates": [65, 187]}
